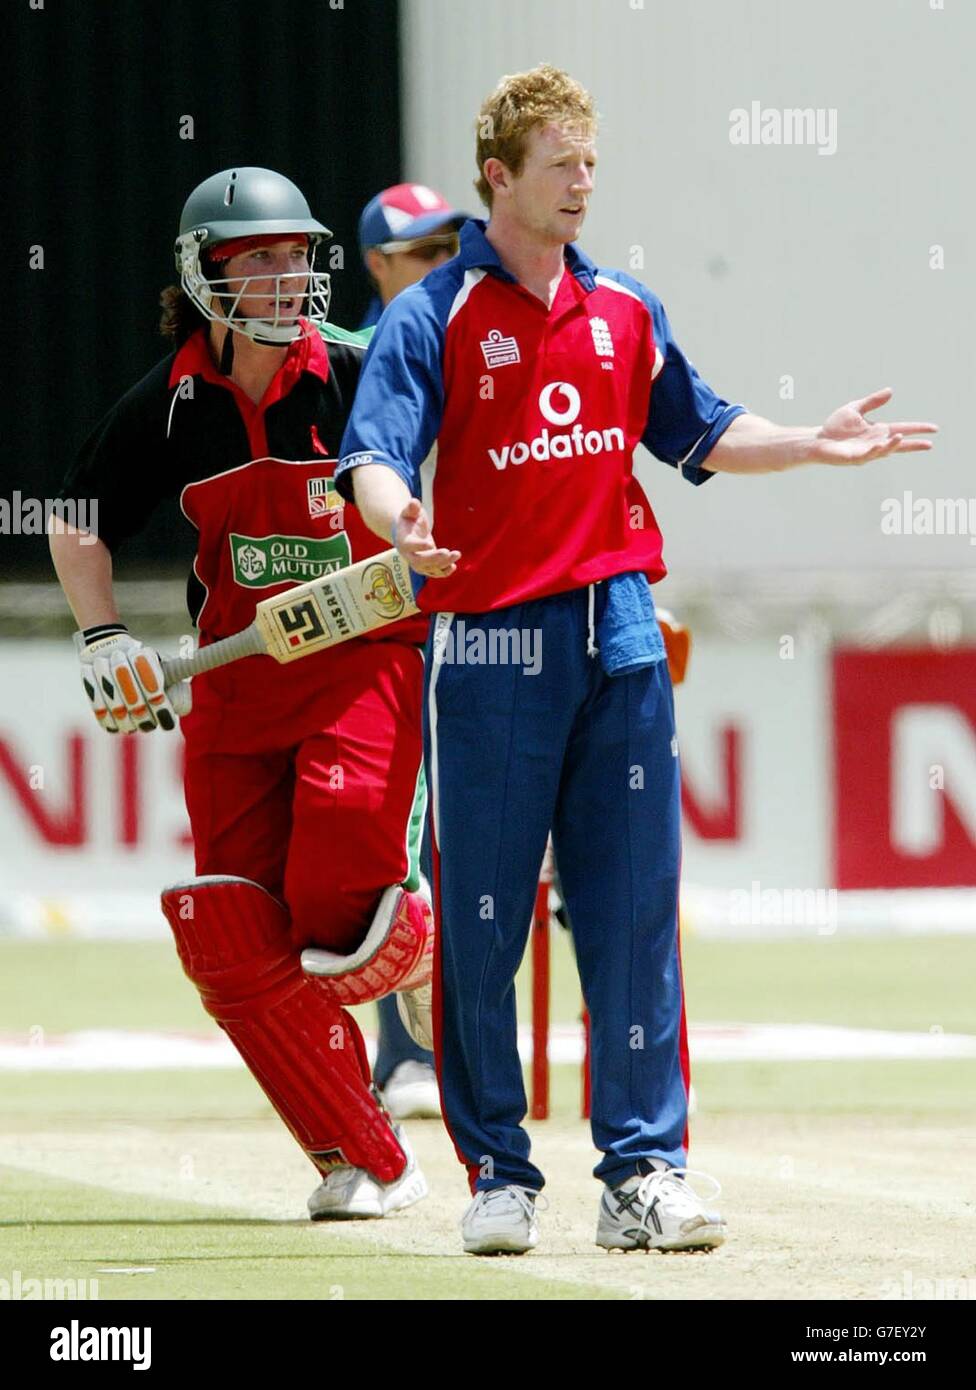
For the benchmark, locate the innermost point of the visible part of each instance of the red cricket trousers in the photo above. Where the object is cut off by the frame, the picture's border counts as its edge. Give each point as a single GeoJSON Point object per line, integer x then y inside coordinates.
{"type": "Point", "coordinates": [308, 779]}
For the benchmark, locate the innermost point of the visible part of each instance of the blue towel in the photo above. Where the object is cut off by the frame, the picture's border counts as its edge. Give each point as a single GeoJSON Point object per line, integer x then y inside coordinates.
{"type": "Point", "coordinates": [627, 633]}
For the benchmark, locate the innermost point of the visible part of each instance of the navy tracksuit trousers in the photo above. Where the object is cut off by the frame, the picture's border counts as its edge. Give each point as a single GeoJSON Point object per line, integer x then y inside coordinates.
{"type": "Point", "coordinates": [539, 738]}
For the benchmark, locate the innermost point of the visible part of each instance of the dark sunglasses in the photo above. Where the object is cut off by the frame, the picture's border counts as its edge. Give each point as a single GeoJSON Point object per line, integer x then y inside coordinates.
{"type": "Point", "coordinates": [424, 248]}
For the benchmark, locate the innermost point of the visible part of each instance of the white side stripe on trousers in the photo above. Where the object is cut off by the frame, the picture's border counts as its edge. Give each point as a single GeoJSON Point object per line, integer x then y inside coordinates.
{"type": "Point", "coordinates": [442, 630]}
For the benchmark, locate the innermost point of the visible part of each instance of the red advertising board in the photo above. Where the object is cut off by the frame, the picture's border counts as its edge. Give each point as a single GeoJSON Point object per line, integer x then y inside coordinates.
{"type": "Point", "coordinates": [904, 762]}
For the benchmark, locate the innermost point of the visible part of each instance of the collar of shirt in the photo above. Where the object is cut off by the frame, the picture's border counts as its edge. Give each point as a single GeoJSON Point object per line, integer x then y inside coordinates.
{"type": "Point", "coordinates": [306, 354]}
{"type": "Point", "coordinates": [477, 253]}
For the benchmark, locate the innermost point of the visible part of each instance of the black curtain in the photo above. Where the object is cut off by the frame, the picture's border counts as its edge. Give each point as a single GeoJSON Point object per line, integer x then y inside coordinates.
{"type": "Point", "coordinates": [105, 94]}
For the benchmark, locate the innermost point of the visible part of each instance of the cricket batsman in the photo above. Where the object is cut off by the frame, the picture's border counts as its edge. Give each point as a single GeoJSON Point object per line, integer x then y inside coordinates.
{"type": "Point", "coordinates": [537, 373]}
{"type": "Point", "coordinates": [304, 784]}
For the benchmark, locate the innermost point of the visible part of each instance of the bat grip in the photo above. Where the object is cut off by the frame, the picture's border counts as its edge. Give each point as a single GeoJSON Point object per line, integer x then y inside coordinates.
{"type": "Point", "coordinates": [228, 649]}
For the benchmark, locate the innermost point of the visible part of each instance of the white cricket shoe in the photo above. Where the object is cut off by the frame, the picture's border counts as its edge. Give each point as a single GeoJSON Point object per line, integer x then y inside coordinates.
{"type": "Point", "coordinates": [661, 1211]}
{"type": "Point", "coordinates": [501, 1221]}
{"type": "Point", "coordinates": [415, 1007]}
{"type": "Point", "coordinates": [411, 1092]}
{"type": "Point", "coordinates": [352, 1194]}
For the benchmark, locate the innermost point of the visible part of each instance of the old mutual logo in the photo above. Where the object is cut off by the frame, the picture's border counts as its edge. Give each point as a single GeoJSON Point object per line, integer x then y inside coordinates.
{"type": "Point", "coordinates": [260, 561]}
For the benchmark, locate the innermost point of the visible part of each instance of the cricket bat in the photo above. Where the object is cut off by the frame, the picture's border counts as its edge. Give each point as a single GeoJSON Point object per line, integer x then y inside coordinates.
{"type": "Point", "coordinates": [370, 594]}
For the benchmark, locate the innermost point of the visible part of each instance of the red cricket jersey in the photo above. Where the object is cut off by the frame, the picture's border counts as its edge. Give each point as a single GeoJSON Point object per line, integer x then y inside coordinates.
{"type": "Point", "coordinates": [536, 413]}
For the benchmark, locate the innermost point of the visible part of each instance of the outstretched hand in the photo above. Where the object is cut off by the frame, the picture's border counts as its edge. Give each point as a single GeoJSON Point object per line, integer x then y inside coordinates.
{"type": "Point", "coordinates": [416, 544]}
{"type": "Point", "coordinates": [848, 437]}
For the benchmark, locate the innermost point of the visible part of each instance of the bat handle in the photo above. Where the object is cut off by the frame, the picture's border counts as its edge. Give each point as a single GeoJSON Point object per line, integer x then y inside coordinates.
{"type": "Point", "coordinates": [177, 669]}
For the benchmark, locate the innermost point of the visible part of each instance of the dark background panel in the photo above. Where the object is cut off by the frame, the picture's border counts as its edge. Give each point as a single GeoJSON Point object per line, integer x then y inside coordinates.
{"type": "Point", "coordinates": [100, 173]}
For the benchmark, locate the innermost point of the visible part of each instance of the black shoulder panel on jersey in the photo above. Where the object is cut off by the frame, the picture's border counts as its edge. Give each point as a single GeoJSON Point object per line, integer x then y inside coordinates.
{"type": "Point", "coordinates": [120, 464]}
{"type": "Point", "coordinates": [345, 364]}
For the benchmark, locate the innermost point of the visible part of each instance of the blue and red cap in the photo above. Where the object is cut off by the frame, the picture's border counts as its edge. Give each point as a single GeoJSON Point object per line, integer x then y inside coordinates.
{"type": "Point", "coordinates": [405, 212]}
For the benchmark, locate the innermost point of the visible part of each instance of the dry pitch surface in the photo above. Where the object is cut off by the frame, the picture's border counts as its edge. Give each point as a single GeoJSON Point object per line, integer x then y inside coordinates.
{"type": "Point", "coordinates": [831, 1207]}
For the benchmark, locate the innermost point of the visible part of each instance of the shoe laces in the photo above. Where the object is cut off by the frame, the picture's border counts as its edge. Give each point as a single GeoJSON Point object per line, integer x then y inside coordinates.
{"type": "Point", "coordinates": [673, 1182]}
{"type": "Point", "coordinates": [527, 1198]}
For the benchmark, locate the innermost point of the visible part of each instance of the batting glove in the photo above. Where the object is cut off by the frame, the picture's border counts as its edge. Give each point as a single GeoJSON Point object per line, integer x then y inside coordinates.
{"type": "Point", "coordinates": [124, 681]}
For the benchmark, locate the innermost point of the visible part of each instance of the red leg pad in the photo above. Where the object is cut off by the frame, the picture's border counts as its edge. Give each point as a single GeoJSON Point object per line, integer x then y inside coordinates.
{"type": "Point", "coordinates": [234, 943]}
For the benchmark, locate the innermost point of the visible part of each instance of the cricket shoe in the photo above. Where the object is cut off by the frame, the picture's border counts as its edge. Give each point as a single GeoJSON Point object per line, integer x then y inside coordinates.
{"type": "Point", "coordinates": [661, 1211]}
{"type": "Point", "coordinates": [352, 1194]}
{"type": "Point", "coordinates": [411, 1093]}
{"type": "Point", "coordinates": [501, 1221]}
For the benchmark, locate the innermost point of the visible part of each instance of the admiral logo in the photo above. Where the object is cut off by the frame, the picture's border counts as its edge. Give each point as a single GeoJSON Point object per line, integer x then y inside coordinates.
{"type": "Point", "coordinates": [602, 341]}
{"type": "Point", "coordinates": [559, 403]}
{"type": "Point", "coordinates": [259, 561]}
{"type": "Point", "coordinates": [323, 496]}
{"type": "Point", "coordinates": [499, 351]}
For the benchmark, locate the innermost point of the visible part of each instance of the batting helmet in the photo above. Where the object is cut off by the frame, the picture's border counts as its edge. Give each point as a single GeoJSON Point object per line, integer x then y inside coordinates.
{"type": "Point", "coordinates": [244, 203]}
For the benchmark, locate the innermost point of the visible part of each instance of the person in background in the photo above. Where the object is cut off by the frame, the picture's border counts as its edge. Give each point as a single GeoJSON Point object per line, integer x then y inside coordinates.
{"type": "Point", "coordinates": [404, 232]}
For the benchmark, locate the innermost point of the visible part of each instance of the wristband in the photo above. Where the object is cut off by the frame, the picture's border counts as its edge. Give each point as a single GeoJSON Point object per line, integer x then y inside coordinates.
{"type": "Point", "coordinates": [103, 630]}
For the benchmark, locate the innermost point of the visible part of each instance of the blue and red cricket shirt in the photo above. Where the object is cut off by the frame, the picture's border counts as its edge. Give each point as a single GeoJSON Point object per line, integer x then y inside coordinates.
{"type": "Point", "coordinates": [536, 414]}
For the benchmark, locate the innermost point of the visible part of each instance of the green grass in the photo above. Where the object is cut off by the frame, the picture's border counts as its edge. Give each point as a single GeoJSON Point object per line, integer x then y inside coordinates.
{"type": "Point", "coordinates": [163, 1098]}
{"type": "Point", "coordinates": [911, 983]}
{"type": "Point", "coordinates": [914, 983]}
{"type": "Point", "coordinates": [195, 1253]}
{"type": "Point", "coordinates": [118, 1097]}
{"type": "Point", "coordinates": [911, 1089]}
{"type": "Point", "coordinates": [64, 985]}
{"type": "Point", "coordinates": [908, 1088]}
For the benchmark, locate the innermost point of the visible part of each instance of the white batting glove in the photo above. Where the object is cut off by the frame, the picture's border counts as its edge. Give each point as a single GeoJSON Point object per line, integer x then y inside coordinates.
{"type": "Point", "coordinates": [124, 681]}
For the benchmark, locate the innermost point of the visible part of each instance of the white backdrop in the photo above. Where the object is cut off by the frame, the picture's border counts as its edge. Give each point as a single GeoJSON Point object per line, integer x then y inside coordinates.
{"type": "Point", "coordinates": [771, 260]}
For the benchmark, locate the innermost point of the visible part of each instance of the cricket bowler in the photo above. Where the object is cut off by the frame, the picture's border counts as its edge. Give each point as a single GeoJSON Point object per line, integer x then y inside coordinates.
{"type": "Point", "coordinates": [537, 373]}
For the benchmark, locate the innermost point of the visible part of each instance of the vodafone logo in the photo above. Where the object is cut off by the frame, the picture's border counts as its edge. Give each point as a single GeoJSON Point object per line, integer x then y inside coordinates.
{"type": "Point", "coordinates": [560, 403]}
{"type": "Point", "coordinates": [569, 394]}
